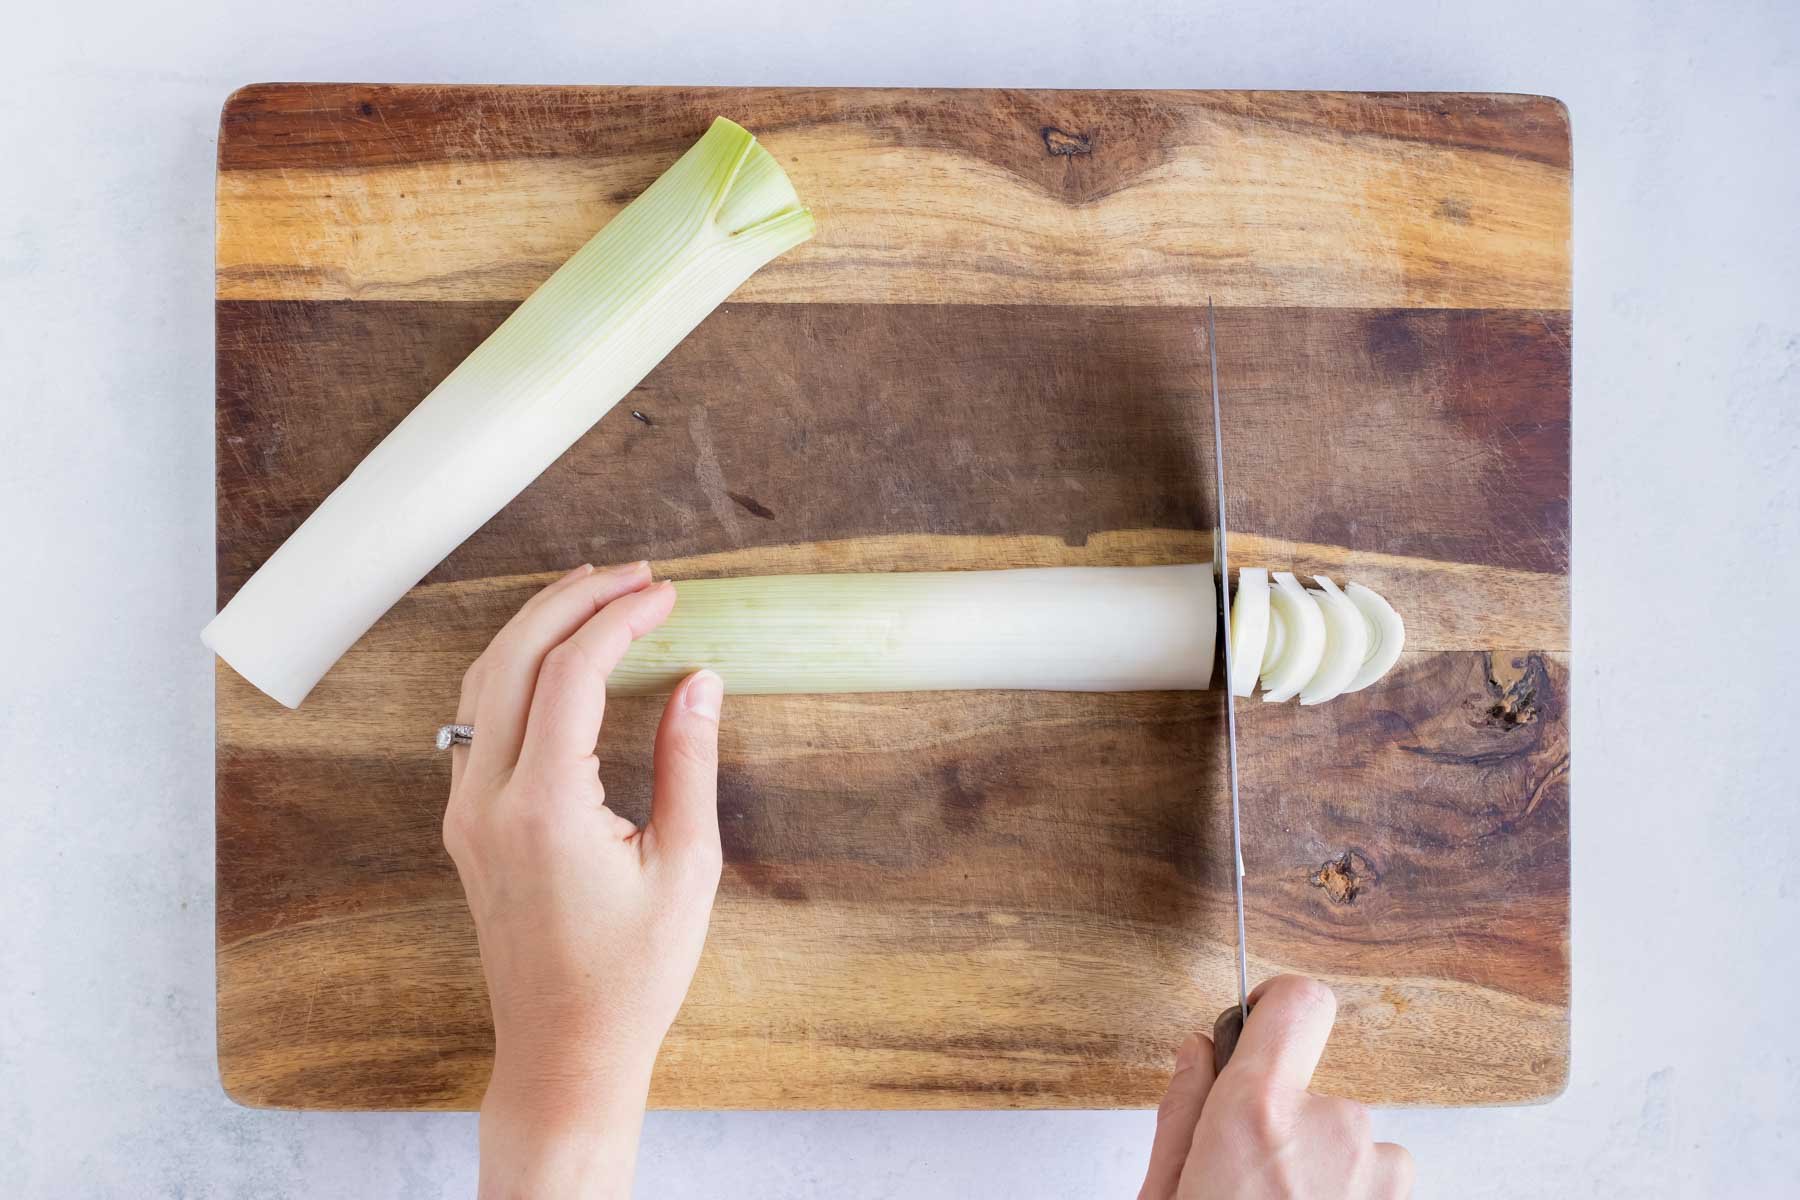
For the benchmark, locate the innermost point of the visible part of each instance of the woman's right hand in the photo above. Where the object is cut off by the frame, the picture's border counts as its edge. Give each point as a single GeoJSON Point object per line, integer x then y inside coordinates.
{"type": "Point", "coordinates": [1254, 1132]}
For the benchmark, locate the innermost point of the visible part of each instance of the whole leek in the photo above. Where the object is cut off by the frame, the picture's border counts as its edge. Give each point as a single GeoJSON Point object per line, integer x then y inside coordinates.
{"type": "Point", "coordinates": [1066, 629]}
{"type": "Point", "coordinates": [557, 365]}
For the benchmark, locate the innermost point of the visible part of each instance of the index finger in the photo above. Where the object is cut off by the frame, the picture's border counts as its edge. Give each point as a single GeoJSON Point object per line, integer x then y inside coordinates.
{"type": "Point", "coordinates": [1284, 1036]}
{"type": "Point", "coordinates": [507, 671]}
{"type": "Point", "coordinates": [569, 700]}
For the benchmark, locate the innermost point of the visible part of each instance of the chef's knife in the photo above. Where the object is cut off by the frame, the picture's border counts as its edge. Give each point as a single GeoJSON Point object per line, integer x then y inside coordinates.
{"type": "Point", "coordinates": [1231, 1022]}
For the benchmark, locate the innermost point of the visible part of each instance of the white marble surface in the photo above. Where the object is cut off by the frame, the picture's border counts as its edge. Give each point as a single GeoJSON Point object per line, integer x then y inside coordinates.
{"type": "Point", "coordinates": [1687, 539]}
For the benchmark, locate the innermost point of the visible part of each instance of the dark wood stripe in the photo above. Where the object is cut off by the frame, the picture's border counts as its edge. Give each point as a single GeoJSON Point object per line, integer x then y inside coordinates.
{"type": "Point", "coordinates": [1440, 434]}
{"type": "Point", "coordinates": [1417, 831]}
{"type": "Point", "coordinates": [1442, 838]}
{"type": "Point", "coordinates": [1078, 144]}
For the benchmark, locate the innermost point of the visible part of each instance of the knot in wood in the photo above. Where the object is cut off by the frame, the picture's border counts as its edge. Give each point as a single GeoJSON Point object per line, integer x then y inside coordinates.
{"type": "Point", "coordinates": [1344, 878]}
{"type": "Point", "coordinates": [1063, 144]}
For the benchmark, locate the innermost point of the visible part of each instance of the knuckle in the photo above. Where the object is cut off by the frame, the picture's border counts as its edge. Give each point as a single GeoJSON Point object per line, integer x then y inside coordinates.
{"type": "Point", "coordinates": [456, 832]}
{"type": "Point", "coordinates": [1403, 1176]}
{"type": "Point", "coordinates": [538, 824]}
{"type": "Point", "coordinates": [502, 648]}
{"type": "Point", "coordinates": [562, 657]}
{"type": "Point", "coordinates": [471, 680]}
{"type": "Point", "coordinates": [1260, 1113]}
{"type": "Point", "coordinates": [568, 661]}
{"type": "Point", "coordinates": [1173, 1104]}
{"type": "Point", "coordinates": [1314, 994]}
{"type": "Point", "coordinates": [583, 773]}
{"type": "Point", "coordinates": [1353, 1119]}
{"type": "Point", "coordinates": [1406, 1172]}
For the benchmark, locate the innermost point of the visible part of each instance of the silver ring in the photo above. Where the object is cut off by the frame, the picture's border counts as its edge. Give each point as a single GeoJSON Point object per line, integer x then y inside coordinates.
{"type": "Point", "coordinates": [454, 735]}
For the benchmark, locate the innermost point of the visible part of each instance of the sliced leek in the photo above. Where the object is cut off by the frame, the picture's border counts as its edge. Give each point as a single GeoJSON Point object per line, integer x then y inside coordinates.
{"type": "Point", "coordinates": [1386, 636]}
{"type": "Point", "coordinates": [1346, 640]}
{"type": "Point", "coordinates": [1249, 628]}
{"type": "Point", "coordinates": [1077, 629]}
{"type": "Point", "coordinates": [1296, 639]}
{"type": "Point", "coordinates": [553, 368]}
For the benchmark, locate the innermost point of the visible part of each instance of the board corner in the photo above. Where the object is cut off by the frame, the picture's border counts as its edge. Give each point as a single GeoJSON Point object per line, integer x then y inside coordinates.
{"type": "Point", "coordinates": [241, 1086]}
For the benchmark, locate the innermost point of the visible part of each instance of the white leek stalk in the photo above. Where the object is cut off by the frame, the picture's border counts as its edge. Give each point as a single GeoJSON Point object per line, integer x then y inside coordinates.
{"type": "Point", "coordinates": [1386, 634]}
{"type": "Point", "coordinates": [1346, 644]}
{"type": "Point", "coordinates": [1072, 629]}
{"type": "Point", "coordinates": [557, 365]}
{"type": "Point", "coordinates": [1320, 644]}
{"type": "Point", "coordinates": [1296, 639]}
{"type": "Point", "coordinates": [1249, 628]}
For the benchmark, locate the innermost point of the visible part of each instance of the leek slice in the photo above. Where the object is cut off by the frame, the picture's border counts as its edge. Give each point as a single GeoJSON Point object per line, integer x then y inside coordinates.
{"type": "Point", "coordinates": [1074, 629]}
{"type": "Point", "coordinates": [1346, 640]}
{"type": "Point", "coordinates": [553, 368]}
{"type": "Point", "coordinates": [1296, 638]}
{"type": "Point", "coordinates": [1249, 628]}
{"type": "Point", "coordinates": [1387, 635]}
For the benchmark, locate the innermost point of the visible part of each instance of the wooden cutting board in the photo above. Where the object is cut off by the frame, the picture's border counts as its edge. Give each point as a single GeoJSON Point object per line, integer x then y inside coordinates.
{"type": "Point", "coordinates": [986, 358]}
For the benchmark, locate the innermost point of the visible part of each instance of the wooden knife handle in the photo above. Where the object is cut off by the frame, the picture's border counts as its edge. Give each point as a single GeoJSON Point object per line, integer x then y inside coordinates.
{"type": "Point", "coordinates": [1226, 1031]}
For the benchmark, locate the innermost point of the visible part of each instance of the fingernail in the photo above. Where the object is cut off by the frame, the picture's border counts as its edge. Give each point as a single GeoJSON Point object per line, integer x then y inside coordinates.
{"type": "Point", "coordinates": [705, 692]}
{"type": "Point", "coordinates": [1189, 1054]}
{"type": "Point", "coordinates": [578, 572]}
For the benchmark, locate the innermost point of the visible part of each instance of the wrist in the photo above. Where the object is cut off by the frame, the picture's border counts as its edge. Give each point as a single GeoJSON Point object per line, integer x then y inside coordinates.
{"type": "Point", "coordinates": [560, 1134]}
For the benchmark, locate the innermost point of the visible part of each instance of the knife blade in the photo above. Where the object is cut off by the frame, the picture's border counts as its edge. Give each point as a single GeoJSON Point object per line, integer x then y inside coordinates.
{"type": "Point", "coordinates": [1231, 1022]}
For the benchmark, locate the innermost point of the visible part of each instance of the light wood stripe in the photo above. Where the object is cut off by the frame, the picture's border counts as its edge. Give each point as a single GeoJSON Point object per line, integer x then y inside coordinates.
{"type": "Point", "coordinates": [412, 659]}
{"type": "Point", "coordinates": [1246, 213]}
{"type": "Point", "coordinates": [826, 977]}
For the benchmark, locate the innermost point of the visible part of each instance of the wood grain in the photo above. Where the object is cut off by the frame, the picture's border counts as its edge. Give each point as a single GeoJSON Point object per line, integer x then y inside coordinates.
{"type": "Point", "coordinates": [987, 359]}
{"type": "Point", "coordinates": [944, 899]}
{"type": "Point", "coordinates": [1136, 198]}
{"type": "Point", "coordinates": [986, 419]}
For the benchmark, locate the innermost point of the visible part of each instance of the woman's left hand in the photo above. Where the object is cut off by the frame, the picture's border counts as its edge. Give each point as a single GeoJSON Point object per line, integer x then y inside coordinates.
{"type": "Point", "coordinates": [590, 928]}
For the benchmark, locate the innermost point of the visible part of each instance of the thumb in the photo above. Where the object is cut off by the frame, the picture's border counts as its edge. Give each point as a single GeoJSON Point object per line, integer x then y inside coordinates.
{"type": "Point", "coordinates": [1177, 1117]}
{"type": "Point", "coordinates": [684, 806]}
